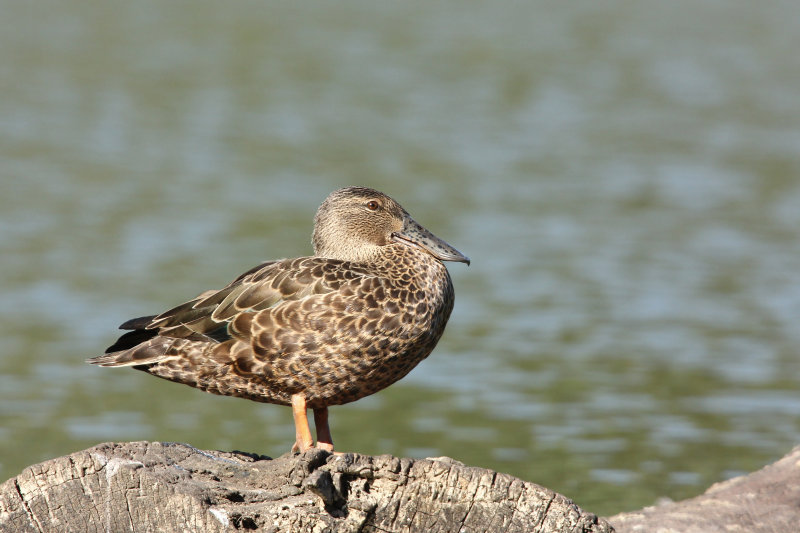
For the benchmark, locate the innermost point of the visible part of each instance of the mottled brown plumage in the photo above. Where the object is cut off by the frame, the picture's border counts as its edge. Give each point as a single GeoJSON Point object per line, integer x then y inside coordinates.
{"type": "Point", "coordinates": [313, 331]}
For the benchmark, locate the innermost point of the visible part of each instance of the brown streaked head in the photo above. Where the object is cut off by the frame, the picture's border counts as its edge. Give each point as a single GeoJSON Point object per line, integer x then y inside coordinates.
{"type": "Point", "coordinates": [354, 223]}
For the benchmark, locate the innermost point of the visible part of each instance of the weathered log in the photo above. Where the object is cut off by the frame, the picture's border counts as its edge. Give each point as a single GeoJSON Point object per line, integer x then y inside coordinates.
{"type": "Point", "coordinates": [145, 486]}
{"type": "Point", "coordinates": [173, 487]}
{"type": "Point", "coordinates": [766, 501]}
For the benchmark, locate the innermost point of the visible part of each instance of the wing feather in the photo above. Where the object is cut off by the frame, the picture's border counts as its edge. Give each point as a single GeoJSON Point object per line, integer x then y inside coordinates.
{"type": "Point", "coordinates": [209, 316]}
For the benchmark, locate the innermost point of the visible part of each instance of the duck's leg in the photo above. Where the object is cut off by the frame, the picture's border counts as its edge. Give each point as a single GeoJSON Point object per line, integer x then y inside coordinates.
{"type": "Point", "coordinates": [303, 440]}
{"type": "Point", "coordinates": [324, 440]}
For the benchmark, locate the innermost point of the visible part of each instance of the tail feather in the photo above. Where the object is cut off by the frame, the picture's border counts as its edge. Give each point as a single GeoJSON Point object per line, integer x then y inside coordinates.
{"type": "Point", "coordinates": [132, 339]}
{"type": "Point", "coordinates": [138, 323]}
{"type": "Point", "coordinates": [142, 353]}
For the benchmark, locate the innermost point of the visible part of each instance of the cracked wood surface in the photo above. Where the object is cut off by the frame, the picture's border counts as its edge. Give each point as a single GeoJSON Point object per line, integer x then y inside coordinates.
{"type": "Point", "coordinates": [143, 486]}
{"type": "Point", "coordinates": [765, 501]}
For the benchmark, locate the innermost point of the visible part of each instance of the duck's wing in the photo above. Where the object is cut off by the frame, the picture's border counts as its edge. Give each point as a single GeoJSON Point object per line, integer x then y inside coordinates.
{"type": "Point", "coordinates": [209, 316]}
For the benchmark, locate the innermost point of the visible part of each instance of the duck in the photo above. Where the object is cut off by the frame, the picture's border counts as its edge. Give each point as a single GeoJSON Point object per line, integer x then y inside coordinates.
{"type": "Point", "coordinates": [309, 332]}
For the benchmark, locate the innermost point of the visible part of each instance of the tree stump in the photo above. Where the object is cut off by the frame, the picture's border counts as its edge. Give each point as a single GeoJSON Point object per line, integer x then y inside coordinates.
{"type": "Point", "coordinates": [144, 486]}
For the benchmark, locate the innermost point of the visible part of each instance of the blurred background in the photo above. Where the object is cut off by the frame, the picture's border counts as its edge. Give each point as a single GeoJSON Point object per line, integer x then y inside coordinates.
{"type": "Point", "coordinates": [625, 177]}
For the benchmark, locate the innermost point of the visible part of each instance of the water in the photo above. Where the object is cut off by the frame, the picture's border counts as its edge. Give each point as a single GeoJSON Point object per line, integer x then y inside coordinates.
{"type": "Point", "coordinates": [624, 177]}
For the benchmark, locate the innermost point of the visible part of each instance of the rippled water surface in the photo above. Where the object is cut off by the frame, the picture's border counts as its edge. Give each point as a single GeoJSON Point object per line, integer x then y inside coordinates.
{"type": "Point", "coordinates": [625, 177]}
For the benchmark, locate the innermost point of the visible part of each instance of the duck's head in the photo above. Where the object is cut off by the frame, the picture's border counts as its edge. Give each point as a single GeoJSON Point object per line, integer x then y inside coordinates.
{"type": "Point", "coordinates": [354, 223]}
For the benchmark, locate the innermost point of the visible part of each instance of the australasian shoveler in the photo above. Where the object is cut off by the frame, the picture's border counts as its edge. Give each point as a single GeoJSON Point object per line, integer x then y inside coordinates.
{"type": "Point", "coordinates": [310, 332]}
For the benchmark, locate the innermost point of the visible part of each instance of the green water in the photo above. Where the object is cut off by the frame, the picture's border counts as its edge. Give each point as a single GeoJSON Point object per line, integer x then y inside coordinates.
{"type": "Point", "coordinates": [625, 177]}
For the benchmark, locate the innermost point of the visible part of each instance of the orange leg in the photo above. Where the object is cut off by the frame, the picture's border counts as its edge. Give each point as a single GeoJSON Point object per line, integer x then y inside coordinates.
{"type": "Point", "coordinates": [324, 440]}
{"type": "Point", "coordinates": [303, 440]}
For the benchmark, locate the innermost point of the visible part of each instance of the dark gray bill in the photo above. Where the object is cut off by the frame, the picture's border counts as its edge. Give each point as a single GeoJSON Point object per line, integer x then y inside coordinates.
{"type": "Point", "coordinates": [415, 235]}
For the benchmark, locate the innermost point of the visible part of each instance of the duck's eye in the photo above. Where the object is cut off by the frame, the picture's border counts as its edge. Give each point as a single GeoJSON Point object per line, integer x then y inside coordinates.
{"type": "Point", "coordinates": [373, 205]}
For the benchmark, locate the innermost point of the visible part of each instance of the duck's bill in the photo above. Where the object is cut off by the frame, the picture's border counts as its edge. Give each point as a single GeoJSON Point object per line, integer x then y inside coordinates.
{"type": "Point", "coordinates": [415, 235]}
